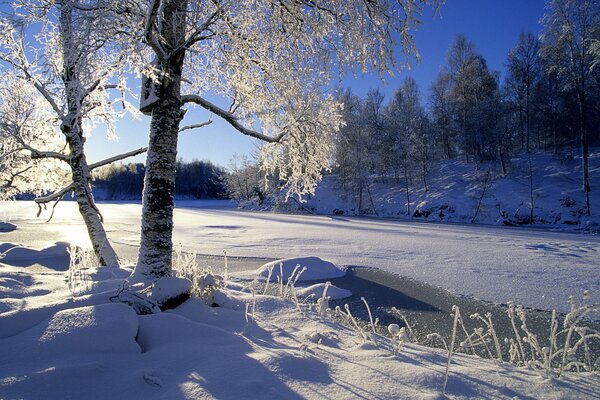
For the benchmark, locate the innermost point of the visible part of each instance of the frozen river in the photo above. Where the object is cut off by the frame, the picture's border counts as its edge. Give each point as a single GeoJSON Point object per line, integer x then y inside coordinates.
{"type": "Point", "coordinates": [534, 267]}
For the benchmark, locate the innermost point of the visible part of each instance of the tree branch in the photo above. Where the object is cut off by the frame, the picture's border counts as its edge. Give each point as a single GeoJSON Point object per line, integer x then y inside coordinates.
{"type": "Point", "coordinates": [14, 176]}
{"type": "Point", "coordinates": [38, 154]}
{"type": "Point", "coordinates": [40, 87]}
{"type": "Point", "coordinates": [231, 119]}
{"type": "Point", "coordinates": [117, 158]}
{"type": "Point", "coordinates": [195, 126]}
{"type": "Point", "coordinates": [55, 195]}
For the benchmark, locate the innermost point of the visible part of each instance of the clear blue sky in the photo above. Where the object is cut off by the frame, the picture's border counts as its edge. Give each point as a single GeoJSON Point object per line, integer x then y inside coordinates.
{"type": "Point", "coordinates": [493, 25]}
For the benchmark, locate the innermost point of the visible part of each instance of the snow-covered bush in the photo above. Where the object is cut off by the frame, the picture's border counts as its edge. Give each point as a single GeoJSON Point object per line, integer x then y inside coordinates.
{"type": "Point", "coordinates": [80, 261]}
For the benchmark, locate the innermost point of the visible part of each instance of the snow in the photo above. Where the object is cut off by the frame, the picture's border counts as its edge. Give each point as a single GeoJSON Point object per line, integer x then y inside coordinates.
{"type": "Point", "coordinates": [455, 189]}
{"type": "Point", "coordinates": [78, 330]}
{"type": "Point", "coordinates": [314, 269]}
{"type": "Point", "coordinates": [316, 291]}
{"type": "Point", "coordinates": [59, 344]}
{"type": "Point", "coordinates": [197, 352]}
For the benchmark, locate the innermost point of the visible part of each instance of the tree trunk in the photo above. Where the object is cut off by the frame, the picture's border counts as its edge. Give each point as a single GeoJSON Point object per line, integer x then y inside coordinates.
{"type": "Point", "coordinates": [85, 201]}
{"type": "Point", "coordinates": [406, 186]}
{"type": "Point", "coordinates": [156, 244]}
{"type": "Point", "coordinates": [531, 196]}
{"type": "Point", "coordinates": [502, 163]}
{"type": "Point", "coordinates": [73, 132]}
{"type": "Point", "coordinates": [584, 157]}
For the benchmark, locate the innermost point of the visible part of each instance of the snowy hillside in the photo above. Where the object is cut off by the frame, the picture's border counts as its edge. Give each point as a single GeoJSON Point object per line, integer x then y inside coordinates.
{"type": "Point", "coordinates": [456, 189]}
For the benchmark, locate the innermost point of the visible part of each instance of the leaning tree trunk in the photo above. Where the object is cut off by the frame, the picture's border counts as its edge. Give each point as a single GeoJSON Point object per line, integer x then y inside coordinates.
{"type": "Point", "coordinates": [73, 132]}
{"type": "Point", "coordinates": [85, 201]}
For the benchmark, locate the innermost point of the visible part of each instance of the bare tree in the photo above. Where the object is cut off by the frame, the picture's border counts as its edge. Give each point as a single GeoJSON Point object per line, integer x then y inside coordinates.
{"type": "Point", "coordinates": [523, 74]}
{"type": "Point", "coordinates": [441, 113]}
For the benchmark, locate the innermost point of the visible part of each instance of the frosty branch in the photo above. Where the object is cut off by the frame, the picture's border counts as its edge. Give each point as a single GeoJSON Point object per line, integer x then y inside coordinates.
{"type": "Point", "coordinates": [231, 119]}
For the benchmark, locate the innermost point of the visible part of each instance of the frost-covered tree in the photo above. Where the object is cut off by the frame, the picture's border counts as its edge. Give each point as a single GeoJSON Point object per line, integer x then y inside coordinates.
{"type": "Point", "coordinates": [473, 88]}
{"type": "Point", "coordinates": [461, 57]}
{"type": "Point", "coordinates": [63, 52]}
{"type": "Point", "coordinates": [244, 180]}
{"type": "Point", "coordinates": [571, 26]}
{"type": "Point", "coordinates": [407, 135]}
{"type": "Point", "coordinates": [25, 126]}
{"type": "Point", "coordinates": [266, 63]}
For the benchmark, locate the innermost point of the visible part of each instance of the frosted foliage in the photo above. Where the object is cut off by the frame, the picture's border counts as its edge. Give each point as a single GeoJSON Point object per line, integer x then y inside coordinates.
{"type": "Point", "coordinates": [26, 123]}
{"type": "Point", "coordinates": [307, 148]}
{"type": "Point", "coordinates": [31, 42]}
{"type": "Point", "coordinates": [272, 62]}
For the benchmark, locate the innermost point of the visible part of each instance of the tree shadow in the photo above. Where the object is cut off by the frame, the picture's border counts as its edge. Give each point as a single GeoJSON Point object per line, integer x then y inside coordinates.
{"type": "Point", "coordinates": [224, 364]}
{"type": "Point", "coordinates": [55, 257]}
{"type": "Point", "coordinates": [361, 282]}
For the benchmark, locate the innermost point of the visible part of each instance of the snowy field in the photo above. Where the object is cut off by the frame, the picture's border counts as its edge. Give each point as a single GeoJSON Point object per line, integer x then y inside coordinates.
{"type": "Point", "coordinates": [92, 349]}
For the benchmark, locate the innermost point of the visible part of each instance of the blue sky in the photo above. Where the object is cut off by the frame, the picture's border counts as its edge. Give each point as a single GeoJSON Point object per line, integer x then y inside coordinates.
{"type": "Point", "coordinates": [493, 25]}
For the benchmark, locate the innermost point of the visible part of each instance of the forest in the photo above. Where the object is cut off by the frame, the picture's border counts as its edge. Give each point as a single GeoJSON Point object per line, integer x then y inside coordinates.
{"type": "Point", "coordinates": [545, 103]}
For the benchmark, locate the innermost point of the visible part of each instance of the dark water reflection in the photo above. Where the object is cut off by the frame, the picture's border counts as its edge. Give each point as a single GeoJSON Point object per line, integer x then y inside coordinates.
{"type": "Point", "coordinates": [428, 308]}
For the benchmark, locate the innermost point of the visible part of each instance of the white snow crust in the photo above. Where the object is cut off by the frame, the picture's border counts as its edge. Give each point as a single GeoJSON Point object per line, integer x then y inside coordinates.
{"type": "Point", "coordinates": [315, 269]}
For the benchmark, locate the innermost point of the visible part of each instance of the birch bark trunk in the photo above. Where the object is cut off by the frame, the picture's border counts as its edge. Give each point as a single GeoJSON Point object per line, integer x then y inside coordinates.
{"type": "Point", "coordinates": [71, 127]}
{"type": "Point", "coordinates": [156, 245]}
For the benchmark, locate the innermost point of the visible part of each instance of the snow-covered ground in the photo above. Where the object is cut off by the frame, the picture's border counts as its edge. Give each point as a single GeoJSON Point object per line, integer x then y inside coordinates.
{"type": "Point", "coordinates": [58, 346]}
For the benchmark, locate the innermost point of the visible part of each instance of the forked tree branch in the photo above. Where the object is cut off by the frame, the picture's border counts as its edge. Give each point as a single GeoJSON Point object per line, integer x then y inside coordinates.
{"type": "Point", "coordinates": [56, 195]}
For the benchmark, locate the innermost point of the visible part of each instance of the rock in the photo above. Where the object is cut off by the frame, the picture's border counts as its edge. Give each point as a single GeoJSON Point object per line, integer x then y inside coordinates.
{"type": "Point", "coordinates": [170, 292]}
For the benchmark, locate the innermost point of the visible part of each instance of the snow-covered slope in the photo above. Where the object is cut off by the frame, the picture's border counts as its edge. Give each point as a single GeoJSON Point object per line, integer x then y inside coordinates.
{"type": "Point", "coordinates": [456, 188]}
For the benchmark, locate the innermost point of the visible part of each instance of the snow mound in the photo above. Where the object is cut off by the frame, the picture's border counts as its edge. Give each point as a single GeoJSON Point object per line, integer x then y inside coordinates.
{"type": "Point", "coordinates": [7, 227]}
{"type": "Point", "coordinates": [316, 291]}
{"type": "Point", "coordinates": [316, 269]}
{"type": "Point", "coordinates": [55, 256]}
{"type": "Point", "coordinates": [106, 328]}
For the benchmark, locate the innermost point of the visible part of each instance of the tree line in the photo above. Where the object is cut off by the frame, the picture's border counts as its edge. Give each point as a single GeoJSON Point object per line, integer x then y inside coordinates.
{"type": "Point", "coordinates": [548, 100]}
{"type": "Point", "coordinates": [194, 179]}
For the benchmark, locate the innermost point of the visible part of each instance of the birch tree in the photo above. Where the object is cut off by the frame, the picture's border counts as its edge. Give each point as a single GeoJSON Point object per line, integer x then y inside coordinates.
{"type": "Point", "coordinates": [266, 64]}
{"type": "Point", "coordinates": [25, 125]}
{"type": "Point", "coordinates": [60, 52]}
{"type": "Point", "coordinates": [571, 26]}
